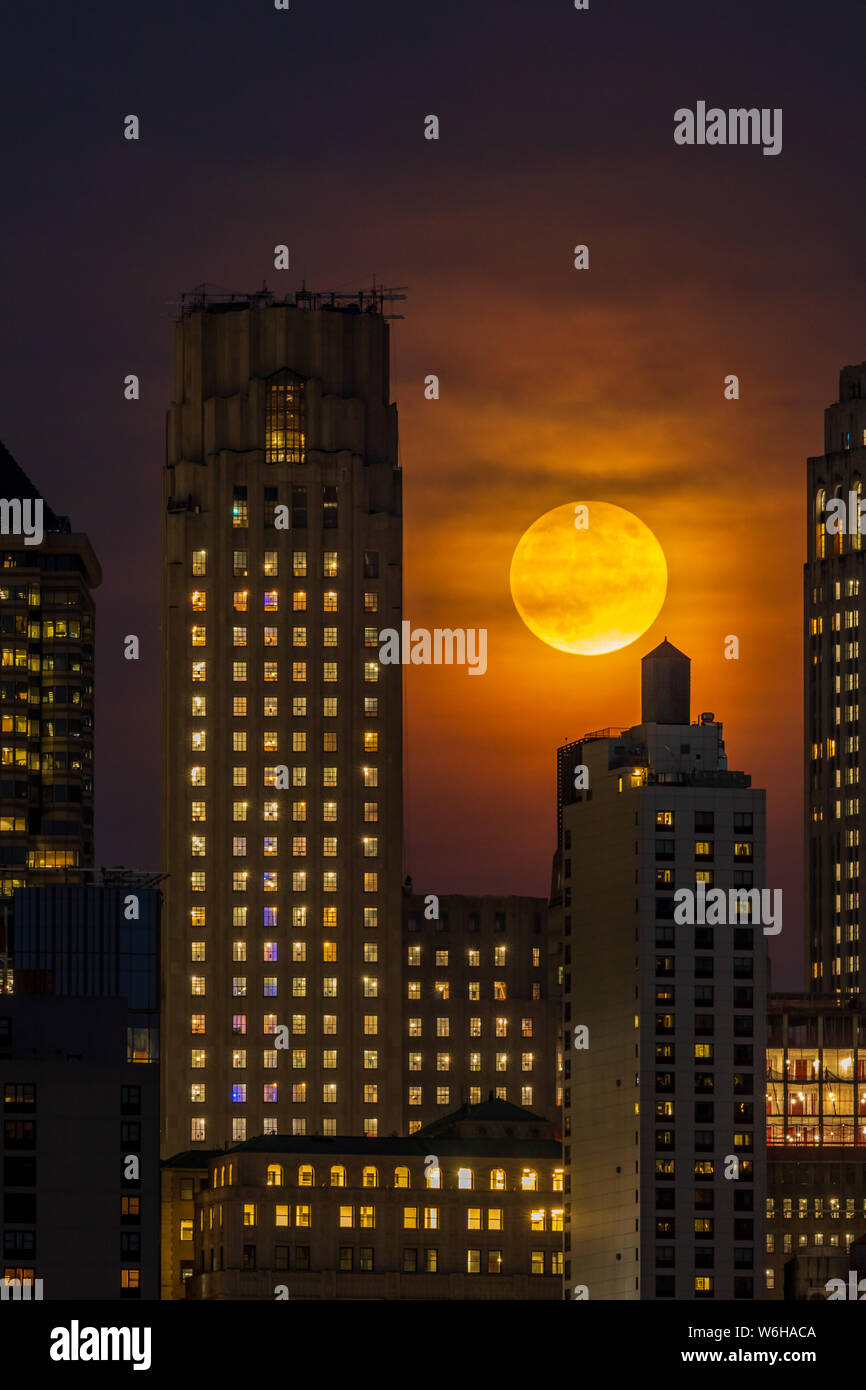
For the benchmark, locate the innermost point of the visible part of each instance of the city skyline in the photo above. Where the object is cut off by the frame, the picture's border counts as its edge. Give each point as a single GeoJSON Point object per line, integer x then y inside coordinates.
{"type": "Point", "coordinates": [424, 686]}
{"type": "Point", "coordinates": [432, 457]}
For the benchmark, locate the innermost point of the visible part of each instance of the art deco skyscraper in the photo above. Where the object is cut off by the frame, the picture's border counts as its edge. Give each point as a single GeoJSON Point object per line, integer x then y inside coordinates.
{"type": "Point", "coordinates": [664, 1017]}
{"type": "Point", "coordinates": [46, 695]}
{"type": "Point", "coordinates": [833, 596]}
{"type": "Point", "coordinates": [282, 736]}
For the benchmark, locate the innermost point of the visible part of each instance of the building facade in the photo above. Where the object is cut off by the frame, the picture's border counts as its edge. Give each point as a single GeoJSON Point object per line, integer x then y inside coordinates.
{"type": "Point", "coordinates": [46, 699]}
{"type": "Point", "coordinates": [664, 1009]}
{"type": "Point", "coordinates": [79, 1079]}
{"type": "Point", "coordinates": [282, 735]}
{"type": "Point", "coordinates": [469, 1208]}
{"type": "Point", "coordinates": [816, 1141]}
{"type": "Point", "coordinates": [834, 595]}
{"type": "Point", "coordinates": [479, 1019]}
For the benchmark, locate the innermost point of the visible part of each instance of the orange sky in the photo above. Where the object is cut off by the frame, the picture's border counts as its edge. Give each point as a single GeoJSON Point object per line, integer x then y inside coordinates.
{"type": "Point", "coordinates": [529, 418]}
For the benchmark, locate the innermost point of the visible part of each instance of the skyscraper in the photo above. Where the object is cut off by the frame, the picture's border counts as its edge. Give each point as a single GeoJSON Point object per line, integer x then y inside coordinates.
{"type": "Point", "coordinates": [663, 1004]}
{"type": "Point", "coordinates": [46, 696]}
{"type": "Point", "coordinates": [833, 597]}
{"type": "Point", "coordinates": [282, 736]}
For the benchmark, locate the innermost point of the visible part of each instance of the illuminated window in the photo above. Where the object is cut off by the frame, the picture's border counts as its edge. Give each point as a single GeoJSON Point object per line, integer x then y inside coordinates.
{"type": "Point", "coordinates": [285, 425]}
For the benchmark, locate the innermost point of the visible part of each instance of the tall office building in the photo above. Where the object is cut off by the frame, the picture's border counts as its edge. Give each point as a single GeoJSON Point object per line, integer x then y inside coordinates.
{"type": "Point", "coordinates": [834, 594]}
{"type": "Point", "coordinates": [282, 735]}
{"type": "Point", "coordinates": [46, 699]}
{"type": "Point", "coordinates": [663, 1017]}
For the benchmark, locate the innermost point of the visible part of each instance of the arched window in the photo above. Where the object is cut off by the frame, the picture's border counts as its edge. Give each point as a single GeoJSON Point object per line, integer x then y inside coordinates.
{"type": "Point", "coordinates": [338, 1175]}
{"type": "Point", "coordinates": [465, 1178]}
{"type": "Point", "coordinates": [820, 528]}
{"type": "Point", "coordinates": [401, 1177]}
{"type": "Point", "coordinates": [370, 1177]}
{"type": "Point", "coordinates": [497, 1179]}
{"type": "Point", "coordinates": [433, 1176]}
{"type": "Point", "coordinates": [529, 1180]}
{"type": "Point", "coordinates": [215, 1178]}
{"type": "Point", "coordinates": [306, 1175]}
{"type": "Point", "coordinates": [231, 1170]}
{"type": "Point", "coordinates": [854, 522]}
{"type": "Point", "coordinates": [839, 538]}
{"type": "Point", "coordinates": [275, 1175]}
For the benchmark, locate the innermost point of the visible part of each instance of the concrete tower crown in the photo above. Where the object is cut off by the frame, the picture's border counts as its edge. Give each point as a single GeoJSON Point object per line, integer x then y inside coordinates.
{"type": "Point", "coordinates": [665, 685]}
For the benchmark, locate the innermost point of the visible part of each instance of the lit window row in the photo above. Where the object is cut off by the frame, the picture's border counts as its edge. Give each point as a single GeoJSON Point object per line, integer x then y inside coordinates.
{"type": "Point", "coordinates": [442, 989]}
{"type": "Point", "coordinates": [443, 1027]}
{"type": "Point", "coordinates": [443, 1061]}
{"type": "Point", "coordinates": [473, 956]}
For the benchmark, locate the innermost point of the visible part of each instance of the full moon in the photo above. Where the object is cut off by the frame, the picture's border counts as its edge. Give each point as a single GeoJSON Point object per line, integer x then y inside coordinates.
{"type": "Point", "coordinates": [588, 577]}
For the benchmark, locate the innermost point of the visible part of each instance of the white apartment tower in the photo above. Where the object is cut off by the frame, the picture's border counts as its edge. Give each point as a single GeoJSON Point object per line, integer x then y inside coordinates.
{"type": "Point", "coordinates": [665, 1087]}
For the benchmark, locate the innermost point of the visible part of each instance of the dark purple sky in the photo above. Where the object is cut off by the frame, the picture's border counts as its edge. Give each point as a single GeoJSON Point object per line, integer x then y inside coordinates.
{"type": "Point", "coordinates": [305, 127]}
